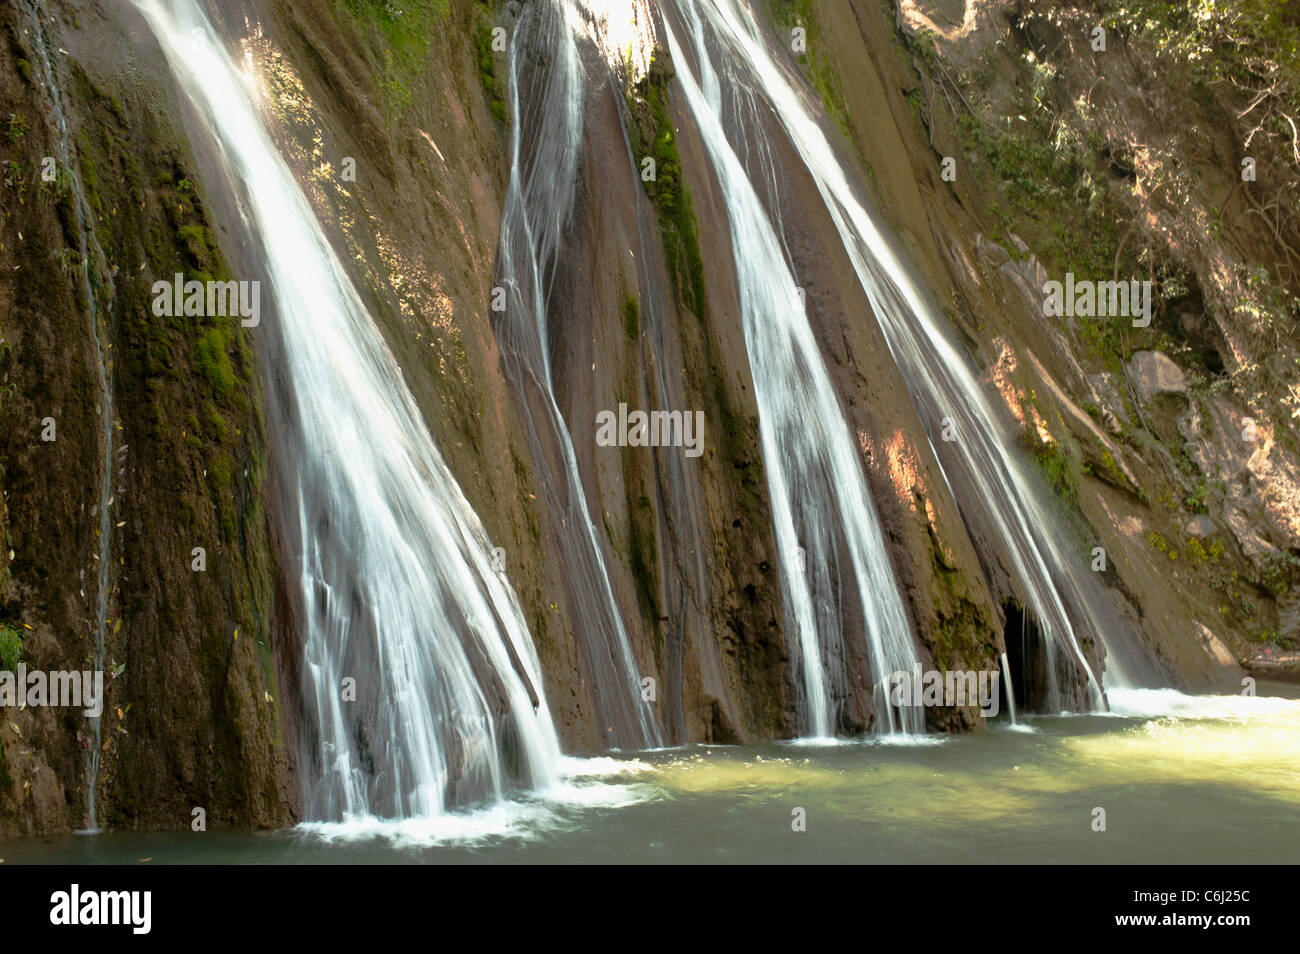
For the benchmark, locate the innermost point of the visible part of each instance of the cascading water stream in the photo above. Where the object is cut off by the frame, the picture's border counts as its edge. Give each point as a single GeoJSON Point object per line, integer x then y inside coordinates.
{"type": "Point", "coordinates": [91, 256]}
{"type": "Point", "coordinates": [938, 377]}
{"type": "Point", "coordinates": [1009, 687]}
{"type": "Point", "coordinates": [393, 567]}
{"type": "Point", "coordinates": [546, 107]}
{"type": "Point", "coordinates": [821, 505]}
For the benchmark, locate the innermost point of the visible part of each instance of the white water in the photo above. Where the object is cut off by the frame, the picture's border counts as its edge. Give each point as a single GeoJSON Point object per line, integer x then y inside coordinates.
{"type": "Point", "coordinates": [584, 785]}
{"type": "Point", "coordinates": [1170, 703]}
{"type": "Point", "coordinates": [1011, 689]}
{"type": "Point", "coordinates": [393, 565]}
{"type": "Point", "coordinates": [939, 379]}
{"type": "Point", "coordinates": [546, 129]}
{"type": "Point", "coordinates": [818, 490]}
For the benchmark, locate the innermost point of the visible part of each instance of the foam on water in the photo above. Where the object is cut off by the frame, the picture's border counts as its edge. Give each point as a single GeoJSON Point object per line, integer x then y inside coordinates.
{"type": "Point", "coordinates": [903, 739]}
{"type": "Point", "coordinates": [557, 807]}
{"type": "Point", "coordinates": [1170, 703]}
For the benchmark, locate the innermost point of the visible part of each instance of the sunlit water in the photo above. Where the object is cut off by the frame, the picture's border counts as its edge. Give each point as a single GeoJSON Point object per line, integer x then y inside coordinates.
{"type": "Point", "coordinates": [824, 519]}
{"type": "Point", "coordinates": [396, 589]}
{"type": "Point", "coordinates": [1182, 779]}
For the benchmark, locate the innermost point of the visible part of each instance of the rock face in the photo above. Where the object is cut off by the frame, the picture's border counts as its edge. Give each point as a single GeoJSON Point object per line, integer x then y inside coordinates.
{"type": "Point", "coordinates": [192, 713]}
{"type": "Point", "coordinates": [1171, 448]}
{"type": "Point", "coordinates": [1194, 485]}
{"type": "Point", "coordinates": [1154, 373]}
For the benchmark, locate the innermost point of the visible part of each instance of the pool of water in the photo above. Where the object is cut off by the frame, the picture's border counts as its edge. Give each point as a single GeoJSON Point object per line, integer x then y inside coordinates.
{"type": "Point", "coordinates": [1181, 779]}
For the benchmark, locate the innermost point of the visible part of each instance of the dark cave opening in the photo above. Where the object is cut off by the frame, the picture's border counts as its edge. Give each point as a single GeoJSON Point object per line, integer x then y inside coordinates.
{"type": "Point", "coordinates": [1187, 321]}
{"type": "Point", "coordinates": [1026, 660]}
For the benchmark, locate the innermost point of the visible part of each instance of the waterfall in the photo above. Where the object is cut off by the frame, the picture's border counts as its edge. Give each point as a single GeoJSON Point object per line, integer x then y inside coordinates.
{"type": "Point", "coordinates": [546, 94]}
{"type": "Point", "coordinates": [822, 508]}
{"type": "Point", "coordinates": [92, 258]}
{"type": "Point", "coordinates": [391, 564]}
{"type": "Point", "coordinates": [1004, 497]}
{"type": "Point", "coordinates": [1011, 689]}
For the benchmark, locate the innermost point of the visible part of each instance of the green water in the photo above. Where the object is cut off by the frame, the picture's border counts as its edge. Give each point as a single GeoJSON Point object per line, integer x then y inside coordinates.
{"type": "Point", "coordinates": [1194, 780]}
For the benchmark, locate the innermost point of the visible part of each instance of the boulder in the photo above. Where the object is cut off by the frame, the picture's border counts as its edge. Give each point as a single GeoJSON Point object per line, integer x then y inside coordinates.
{"type": "Point", "coordinates": [1154, 373]}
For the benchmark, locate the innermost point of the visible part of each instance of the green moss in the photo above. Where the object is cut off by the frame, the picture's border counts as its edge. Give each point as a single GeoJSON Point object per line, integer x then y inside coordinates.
{"type": "Point", "coordinates": [90, 182]}
{"type": "Point", "coordinates": [494, 87]}
{"type": "Point", "coordinates": [524, 481]}
{"type": "Point", "coordinates": [632, 317]}
{"type": "Point", "coordinates": [219, 475]}
{"type": "Point", "coordinates": [214, 423]}
{"type": "Point", "coordinates": [11, 646]}
{"type": "Point", "coordinates": [654, 137]}
{"type": "Point", "coordinates": [1061, 470]}
{"type": "Point", "coordinates": [643, 556]}
{"type": "Point", "coordinates": [197, 243]}
{"type": "Point", "coordinates": [398, 34]}
{"type": "Point", "coordinates": [213, 362]}
{"type": "Point", "coordinates": [15, 127]}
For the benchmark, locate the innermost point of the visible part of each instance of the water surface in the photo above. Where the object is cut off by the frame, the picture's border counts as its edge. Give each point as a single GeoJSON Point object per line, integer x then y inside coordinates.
{"type": "Point", "coordinates": [1183, 779]}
